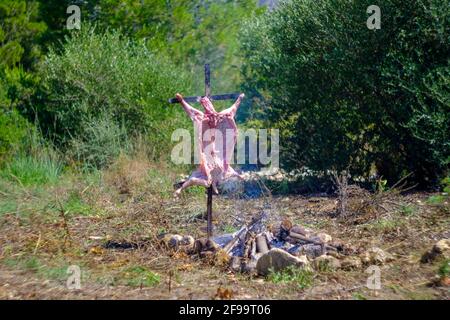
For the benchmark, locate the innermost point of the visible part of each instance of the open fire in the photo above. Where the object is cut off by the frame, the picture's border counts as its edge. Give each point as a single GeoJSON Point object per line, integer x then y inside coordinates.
{"type": "Point", "coordinates": [258, 247]}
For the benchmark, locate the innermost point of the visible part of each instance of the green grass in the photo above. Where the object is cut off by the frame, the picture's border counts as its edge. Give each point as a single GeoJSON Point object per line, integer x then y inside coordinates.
{"type": "Point", "coordinates": [28, 171]}
{"type": "Point", "coordinates": [444, 269]}
{"type": "Point", "coordinates": [359, 296]}
{"type": "Point", "coordinates": [7, 205]}
{"type": "Point", "coordinates": [195, 190]}
{"type": "Point", "coordinates": [229, 228]}
{"type": "Point", "coordinates": [40, 268]}
{"type": "Point", "coordinates": [384, 225]}
{"type": "Point", "coordinates": [160, 183]}
{"type": "Point", "coordinates": [76, 205]}
{"type": "Point", "coordinates": [408, 210]}
{"type": "Point", "coordinates": [137, 276]}
{"type": "Point", "coordinates": [301, 278]}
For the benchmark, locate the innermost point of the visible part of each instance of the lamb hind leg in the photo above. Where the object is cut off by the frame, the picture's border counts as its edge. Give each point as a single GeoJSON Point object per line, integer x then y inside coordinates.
{"type": "Point", "coordinates": [192, 181]}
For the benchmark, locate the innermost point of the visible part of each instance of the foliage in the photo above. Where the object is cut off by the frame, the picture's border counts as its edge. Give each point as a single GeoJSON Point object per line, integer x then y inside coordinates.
{"type": "Point", "coordinates": [302, 278]}
{"type": "Point", "coordinates": [101, 77]}
{"type": "Point", "coordinates": [28, 170]}
{"type": "Point", "coordinates": [190, 32]}
{"type": "Point", "coordinates": [345, 96]}
{"type": "Point", "coordinates": [444, 269]}
{"type": "Point", "coordinates": [141, 276]}
{"type": "Point", "coordinates": [12, 132]}
{"type": "Point", "coordinates": [34, 163]}
{"type": "Point", "coordinates": [101, 142]}
{"type": "Point", "coordinates": [441, 199]}
{"type": "Point", "coordinates": [19, 33]}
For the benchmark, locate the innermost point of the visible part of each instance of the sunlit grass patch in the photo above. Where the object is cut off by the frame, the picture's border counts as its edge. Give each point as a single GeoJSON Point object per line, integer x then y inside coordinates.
{"type": "Point", "coordinates": [140, 276]}
{"type": "Point", "coordinates": [27, 170]}
{"type": "Point", "coordinates": [408, 210]}
{"type": "Point", "coordinates": [444, 268]}
{"type": "Point", "coordinates": [228, 228]}
{"type": "Point", "coordinates": [76, 205]}
{"type": "Point", "coordinates": [8, 205]}
{"type": "Point", "coordinates": [57, 270]}
{"type": "Point", "coordinates": [384, 225]}
{"type": "Point", "coordinates": [302, 278]}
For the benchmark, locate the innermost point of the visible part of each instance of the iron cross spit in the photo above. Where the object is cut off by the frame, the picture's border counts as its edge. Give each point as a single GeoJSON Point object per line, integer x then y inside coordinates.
{"type": "Point", "coordinates": [216, 134]}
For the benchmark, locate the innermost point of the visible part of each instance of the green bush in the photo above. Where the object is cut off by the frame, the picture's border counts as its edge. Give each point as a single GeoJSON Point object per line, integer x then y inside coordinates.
{"type": "Point", "coordinates": [343, 95]}
{"type": "Point", "coordinates": [107, 76]}
{"type": "Point", "coordinates": [101, 142]}
{"type": "Point", "coordinates": [12, 132]}
{"type": "Point", "coordinates": [13, 126]}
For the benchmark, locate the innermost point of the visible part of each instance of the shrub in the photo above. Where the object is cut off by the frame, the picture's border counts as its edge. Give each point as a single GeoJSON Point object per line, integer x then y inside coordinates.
{"type": "Point", "coordinates": [12, 132]}
{"type": "Point", "coordinates": [101, 141]}
{"type": "Point", "coordinates": [13, 126]}
{"type": "Point", "coordinates": [107, 76]}
{"type": "Point", "coordinates": [348, 97]}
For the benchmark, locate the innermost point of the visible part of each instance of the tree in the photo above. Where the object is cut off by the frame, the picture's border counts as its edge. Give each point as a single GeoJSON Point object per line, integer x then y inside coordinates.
{"type": "Point", "coordinates": [344, 95]}
{"type": "Point", "coordinates": [19, 32]}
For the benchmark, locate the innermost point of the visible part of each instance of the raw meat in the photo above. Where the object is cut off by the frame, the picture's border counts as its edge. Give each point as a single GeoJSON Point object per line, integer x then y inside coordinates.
{"type": "Point", "coordinates": [216, 137]}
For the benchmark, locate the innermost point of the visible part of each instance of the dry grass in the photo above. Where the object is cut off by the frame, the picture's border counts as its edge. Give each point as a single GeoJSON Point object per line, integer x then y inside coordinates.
{"type": "Point", "coordinates": [44, 229]}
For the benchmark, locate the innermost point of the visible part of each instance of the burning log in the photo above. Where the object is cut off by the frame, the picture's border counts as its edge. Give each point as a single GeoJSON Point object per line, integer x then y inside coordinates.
{"type": "Point", "coordinates": [238, 235]}
{"type": "Point", "coordinates": [261, 243]}
{"type": "Point", "coordinates": [298, 238]}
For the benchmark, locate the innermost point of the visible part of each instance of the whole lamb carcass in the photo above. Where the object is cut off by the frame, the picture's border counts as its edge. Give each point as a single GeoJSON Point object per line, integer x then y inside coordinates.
{"type": "Point", "coordinates": [216, 134]}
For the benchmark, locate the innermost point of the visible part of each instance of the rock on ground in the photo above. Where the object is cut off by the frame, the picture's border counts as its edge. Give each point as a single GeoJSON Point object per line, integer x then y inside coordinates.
{"type": "Point", "coordinates": [325, 261]}
{"type": "Point", "coordinates": [376, 256]}
{"type": "Point", "coordinates": [440, 250]}
{"type": "Point", "coordinates": [322, 237]}
{"type": "Point", "coordinates": [311, 250]}
{"type": "Point", "coordinates": [351, 263]}
{"type": "Point", "coordinates": [277, 260]}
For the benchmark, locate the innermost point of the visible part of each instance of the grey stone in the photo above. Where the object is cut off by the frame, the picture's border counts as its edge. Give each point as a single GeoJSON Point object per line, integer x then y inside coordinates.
{"type": "Point", "coordinates": [278, 259]}
{"type": "Point", "coordinates": [351, 263]}
{"type": "Point", "coordinates": [376, 256]}
{"type": "Point", "coordinates": [311, 250]}
{"type": "Point", "coordinates": [441, 249]}
{"type": "Point", "coordinates": [235, 264]}
{"type": "Point", "coordinates": [322, 237]}
{"type": "Point", "coordinates": [249, 266]}
{"type": "Point", "coordinates": [187, 241]}
{"type": "Point", "coordinates": [325, 261]}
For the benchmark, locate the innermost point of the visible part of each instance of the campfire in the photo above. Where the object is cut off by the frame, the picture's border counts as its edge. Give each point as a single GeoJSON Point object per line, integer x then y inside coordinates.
{"type": "Point", "coordinates": [259, 246]}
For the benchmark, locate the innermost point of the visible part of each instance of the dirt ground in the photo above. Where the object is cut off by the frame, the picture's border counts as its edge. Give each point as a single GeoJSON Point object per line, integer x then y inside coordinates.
{"type": "Point", "coordinates": [44, 230]}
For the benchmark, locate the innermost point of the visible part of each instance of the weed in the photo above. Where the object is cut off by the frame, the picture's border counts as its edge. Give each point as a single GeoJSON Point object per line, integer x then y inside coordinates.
{"type": "Point", "coordinates": [408, 210]}
{"type": "Point", "coordinates": [76, 205]}
{"type": "Point", "coordinates": [302, 278]}
{"type": "Point", "coordinates": [229, 228]}
{"type": "Point", "coordinates": [359, 296]}
{"type": "Point", "coordinates": [8, 206]}
{"type": "Point", "coordinates": [444, 269]}
{"type": "Point", "coordinates": [384, 225]}
{"type": "Point", "coordinates": [28, 170]}
{"type": "Point", "coordinates": [137, 276]}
